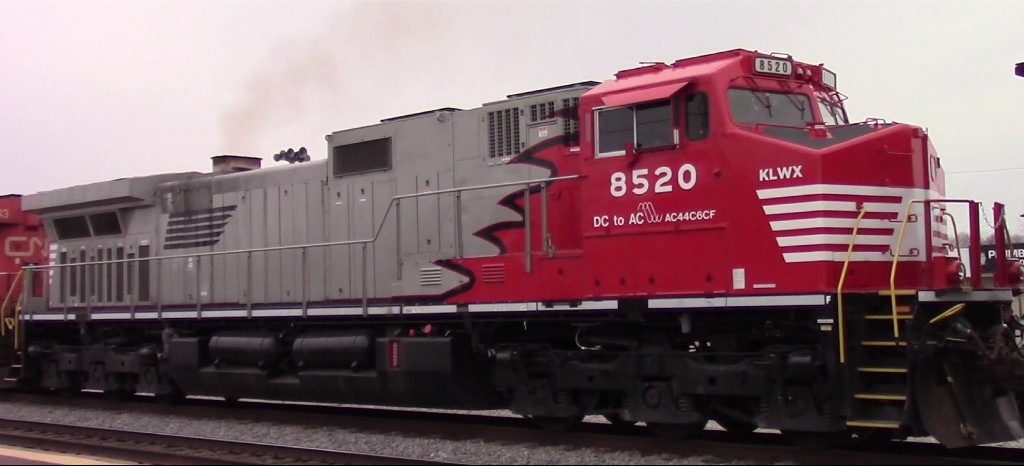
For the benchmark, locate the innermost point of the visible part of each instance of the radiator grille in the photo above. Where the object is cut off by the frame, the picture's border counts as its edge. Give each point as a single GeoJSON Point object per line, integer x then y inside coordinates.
{"type": "Point", "coordinates": [503, 132]}
{"type": "Point", "coordinates": [430, 276]}
{"type": "Point", "coordinates": [542, 111]}
{"type": "Point", "coordinates": [571, 122]}
{"type": "Point", "coordinates": [492, 273]}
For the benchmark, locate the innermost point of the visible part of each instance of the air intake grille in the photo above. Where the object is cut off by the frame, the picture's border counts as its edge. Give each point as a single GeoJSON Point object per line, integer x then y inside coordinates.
{"type": "Point", "coordinates": [542, 111]}
{"type": "Point", "coordinates": [430, 276]}
{"type": "Point", "coordinates": [571, 122]}
{"type": "Point", "coordinates": [492, 273]}
{"type": "Point", "coordinates": [503, 132]}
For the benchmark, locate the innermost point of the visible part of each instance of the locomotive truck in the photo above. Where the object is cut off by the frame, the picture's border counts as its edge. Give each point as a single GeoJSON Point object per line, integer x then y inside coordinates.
{"type": "Point", "coordinates": [708, 239]}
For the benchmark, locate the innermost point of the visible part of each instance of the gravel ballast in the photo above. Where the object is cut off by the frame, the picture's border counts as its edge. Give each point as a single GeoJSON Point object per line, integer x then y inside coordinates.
{"type": "Point", "coordinates": [341, 438]}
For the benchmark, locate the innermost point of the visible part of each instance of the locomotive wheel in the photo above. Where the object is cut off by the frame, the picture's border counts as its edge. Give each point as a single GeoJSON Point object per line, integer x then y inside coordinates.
{"type": "Point", "coordinates": [676, 431]}
{"type": "Point", "coordinates": [618, 421]}
{"type": "Point", "coordinates": [557, 424]}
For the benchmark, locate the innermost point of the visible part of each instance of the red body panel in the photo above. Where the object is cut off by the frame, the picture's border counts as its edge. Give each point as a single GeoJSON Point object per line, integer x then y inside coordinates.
{"type": "Point", "coordinates": [744, 211]}
{"type": "Point", "coordinates": [22, 242]}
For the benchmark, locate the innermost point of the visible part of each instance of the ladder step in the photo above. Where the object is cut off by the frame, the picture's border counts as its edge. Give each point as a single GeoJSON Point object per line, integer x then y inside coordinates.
{"type": "Point", "coordinates": [883, 370]}
{"type": "Point", "coordinates": [15, 366]}
{"type": "Point", "coordinates": [872, 424]}
{"type": "Point", "coordinates": [881, 396]}
{"type": "Point", "coordinates": [888, 317]}
{"type": "Point", "coordinates": [10, 379]}
{"type": "Point", "coordinates": [898, 292]}
{"type": "Point", "coordinates": [883, 343]}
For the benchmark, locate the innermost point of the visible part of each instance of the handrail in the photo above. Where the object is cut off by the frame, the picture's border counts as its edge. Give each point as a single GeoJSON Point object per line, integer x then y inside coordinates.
{"type": "Point", "coordinates": [7, 300]}
{"type": "Point", "coordinates": [895, 261]}
{"type": "Point", "coordinates": [364, 242]}
{"type": "Point", "coordinates": [842, 281]}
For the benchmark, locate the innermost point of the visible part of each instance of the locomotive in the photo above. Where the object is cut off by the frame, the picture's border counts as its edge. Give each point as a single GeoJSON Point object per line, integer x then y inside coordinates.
{"type": "Point", "coordinates": [709, 239]}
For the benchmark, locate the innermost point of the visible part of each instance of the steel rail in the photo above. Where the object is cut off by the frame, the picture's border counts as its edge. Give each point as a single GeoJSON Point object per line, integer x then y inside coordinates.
{"type": "Point", "coordinates": [154, 448]}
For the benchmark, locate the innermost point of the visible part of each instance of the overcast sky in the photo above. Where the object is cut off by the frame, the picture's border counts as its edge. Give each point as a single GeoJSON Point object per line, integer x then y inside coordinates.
{"type": "Point", "coordinates": [94, 90]}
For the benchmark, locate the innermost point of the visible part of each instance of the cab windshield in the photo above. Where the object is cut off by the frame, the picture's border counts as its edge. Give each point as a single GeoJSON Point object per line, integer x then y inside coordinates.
{"type": "Point", "coordinates": [831, 113]}
{"type": "Point", "coordinates": [751, 106]}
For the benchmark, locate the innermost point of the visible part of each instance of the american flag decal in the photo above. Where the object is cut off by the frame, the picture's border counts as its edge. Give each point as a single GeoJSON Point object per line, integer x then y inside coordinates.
{"type": "Point", "coordinates": [196, 228]}
{"type": "Point", "coordinates": [815, 223]}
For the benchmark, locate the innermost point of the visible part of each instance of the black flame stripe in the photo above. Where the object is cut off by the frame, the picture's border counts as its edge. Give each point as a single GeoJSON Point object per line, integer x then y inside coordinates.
{"type": "Point", "coordinates": [194, 244]}
{"type": "Point", "coordinates": [199, 220]}
{"type": "Point", "coordinates": [199, 212]}
{"type": "Point", "coordinates": [193, 229]}
{"type": "Point", "coordinates": [207, 235]}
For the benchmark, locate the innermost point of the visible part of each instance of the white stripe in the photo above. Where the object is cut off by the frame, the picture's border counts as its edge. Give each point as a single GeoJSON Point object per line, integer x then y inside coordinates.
{"type": "Point", "coordinates": [804, 223]}
{"type": "Point", "coordinates": [335, 311]}
{"type": "Point", "coordinates": [225, 313]}
{"type": "Point", "coordinates": [795, 300]}
{"type": "Point", "coordinates": [584, 306]}
{"type": "Point", "coordinates": [817, 256]}
{"type": "Point", "coordinates": [110, 316]}
{"type": "Point", "coordinates": [842, 206]}
{"type": "Point", "coordinates": [44, 317]}
{"type": "Point", "coordinates": [503, 307]}
{"type": "Point", "coordinates": [179, 315]}
{"type": "Point", "coordinates": [808, 240]}
{"type": "Point", "coordinates": [684, 303]}
{"type": "Point", "coordinates": [277, 312]}
{"type": "Point", "coordinates": [738, 301]}
{"type": "Point", "coordinates": [429, 309]}
{"type": "Point", "coordinates": [146, 315]}
{"type": "Point", "coordinates": [840, 189]}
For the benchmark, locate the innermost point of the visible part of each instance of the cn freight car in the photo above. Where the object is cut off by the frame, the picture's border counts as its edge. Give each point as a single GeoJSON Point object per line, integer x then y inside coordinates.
{"type": "Point", "coordinates": [706, 239]}
{"type": "Point", "coordinates": [23, 243]}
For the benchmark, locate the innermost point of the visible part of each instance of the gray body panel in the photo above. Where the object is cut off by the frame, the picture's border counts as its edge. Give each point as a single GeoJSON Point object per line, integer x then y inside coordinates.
{"type": "Point", "coordinates": [305, 204]}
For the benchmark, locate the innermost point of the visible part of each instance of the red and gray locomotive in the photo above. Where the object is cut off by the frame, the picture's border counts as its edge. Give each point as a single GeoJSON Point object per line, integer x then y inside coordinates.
{"type": "Point", "coordinates": [709, 239]}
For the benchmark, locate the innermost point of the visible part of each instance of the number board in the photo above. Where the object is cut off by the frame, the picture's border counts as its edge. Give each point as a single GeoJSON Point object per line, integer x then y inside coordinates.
{"type": "Point", "coordinates": [828, 78]}
{"type": "Point", "coordinates": [773, 66]}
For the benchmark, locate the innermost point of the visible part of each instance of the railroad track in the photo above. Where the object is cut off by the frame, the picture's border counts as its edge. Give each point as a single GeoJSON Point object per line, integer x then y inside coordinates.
{"type": "Point", "coordinates": [152, 448]}
{"type": "Point", "coordinates": [501, 430]}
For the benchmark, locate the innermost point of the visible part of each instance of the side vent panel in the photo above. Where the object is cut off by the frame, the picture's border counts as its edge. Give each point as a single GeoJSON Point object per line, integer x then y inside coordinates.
{"type": "Point", "coordinates": [542, 111]}
{"type": "Point", "coordinates": [503, 138]}
{"type": "Point", "coordinates": [571, 121]}
{"type": "Point", "coordinates": [430, 276]}
{"type": "Point", "coordinates": [492, 273]}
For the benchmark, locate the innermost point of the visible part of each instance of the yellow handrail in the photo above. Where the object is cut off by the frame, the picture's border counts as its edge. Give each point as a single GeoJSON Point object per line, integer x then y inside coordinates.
{"type": "Point", "coordinates": [948, 313]}
{"type": "Point", "coordinates": [842, 281]}
{"type": "Point", "coordinates": [7, 299]}
{"type": "Point", "coordinates": [895, 261]}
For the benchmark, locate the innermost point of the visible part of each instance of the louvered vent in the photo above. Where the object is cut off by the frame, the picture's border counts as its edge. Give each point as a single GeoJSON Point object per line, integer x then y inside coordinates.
{"type": "Point", "coordinates": [430, 276]}
{"type": "Point", "coordinates": [503, 132]}
{"type": "Point", "coordinates": [492, 273]}
{"type": "Point", "coordinates": [542, 111]}
{"type": "Point", "coordinates": [571, 122]}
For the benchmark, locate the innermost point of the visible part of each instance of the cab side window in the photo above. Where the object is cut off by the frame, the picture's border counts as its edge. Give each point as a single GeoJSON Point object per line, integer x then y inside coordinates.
{"type": "Point", "coordinates": [646, 126]}
{"type": "Point", "coordinates": [697, 121]}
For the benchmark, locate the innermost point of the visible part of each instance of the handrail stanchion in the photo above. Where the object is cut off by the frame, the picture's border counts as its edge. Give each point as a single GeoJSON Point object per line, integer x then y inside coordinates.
{"type": "Point", "coordinates": [248, 284]}
{"type": "Point", "coordinates": [365, 285]}
{"type": "Point", "coordinates": [398, 237]}
{"type": "Point", "coordinates": [199, 296]}
{"type": "Point", "coordinates": [975, 245]}
{"type": "Point", "coordinates": [458, 224]}
{"type": "Point", "coordinates": [545, 244]}
{"type": "Point", "coordinates": [305, 292]}
{"type": "Point", "coordinates": [842, 282]}
{"type": "Point", "coordinates": [526, 216]}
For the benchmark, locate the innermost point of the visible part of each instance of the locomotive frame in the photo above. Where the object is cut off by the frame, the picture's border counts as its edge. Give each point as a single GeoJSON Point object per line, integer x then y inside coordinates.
{"type": "Point", "coordinates": [564, 252]}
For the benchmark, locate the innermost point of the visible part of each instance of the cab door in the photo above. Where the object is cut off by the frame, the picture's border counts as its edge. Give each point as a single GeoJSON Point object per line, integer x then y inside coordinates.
{"type": "Point", "coordinates": [653, 199]}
